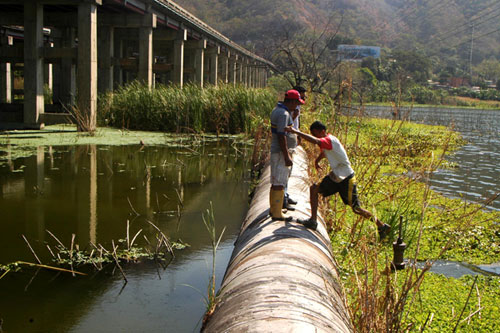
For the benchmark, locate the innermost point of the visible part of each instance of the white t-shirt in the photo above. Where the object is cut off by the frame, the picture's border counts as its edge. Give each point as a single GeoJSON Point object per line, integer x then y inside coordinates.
{"type": "Point", "coordinates": [296, 120]}
{"type": "Point", "coordinates": [337, 156]}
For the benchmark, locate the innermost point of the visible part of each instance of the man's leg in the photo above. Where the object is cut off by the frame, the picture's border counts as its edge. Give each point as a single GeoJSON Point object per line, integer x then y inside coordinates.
{"type": "Point", "coordinates": [367, 215]}
{"type": "Point", "coordinates": [382, 228]}
{"type": "Point", "coordinates": [313, 197]}
{"type": "Point", "coordinates": [287, 200]}
{"type": "Point", "coordinates": [349, 194]}
{"type": "Point", "coordinates": [311, 222]}
{"type": "Point", "coordinates": [279, 176]}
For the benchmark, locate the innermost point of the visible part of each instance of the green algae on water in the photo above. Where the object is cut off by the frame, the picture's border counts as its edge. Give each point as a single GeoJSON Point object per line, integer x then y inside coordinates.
{"type": "Point", "coordinates": [24, 143]}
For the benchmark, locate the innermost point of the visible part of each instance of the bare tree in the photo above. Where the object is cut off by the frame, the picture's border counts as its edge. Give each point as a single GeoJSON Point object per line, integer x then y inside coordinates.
{"type": "Point", "coordinates": [306, 54]}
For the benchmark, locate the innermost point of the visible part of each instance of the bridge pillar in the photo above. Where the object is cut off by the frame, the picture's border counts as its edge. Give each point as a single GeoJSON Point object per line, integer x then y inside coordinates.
{"type": "Point", "coordinates": [118, 53]}
{"type": "Point", "coordinates": [251, 77]}
{"type": "Point", "coordinates": [6, 74]}
{"type": "Point", "coordinates": [256, 83]}
{"type": "Point", "coordinates": [33, 64]}
{"type": "Point", "coordinates": [240, 72]}
{"type": "Point", "coordinates": [105, 54]}
{"type": "Point", "coordinates": [213, 56]}
{"type": "Point", "coordinates": [257, 78]}
{"type": "Point", "coordinates": [261, 77]}
{"type": "Point", "coordinates": [246, 73]}
{"type": "Point", "coordinates": [145, 73]}
{"type": "Point", "coordinates": [251, 81]}
{"type": "Point", "coordinates": [224, 66]}
{"type": "Point", "coordinates": [65, 73]}
{"type": "Point", "coordinates": [178, 68]}
{"type": "Point", "coordinates": [48, 72]}
{"type": "Point", "coordinates": [249, 74]}
{"type": "Point", "coordinates": [87, 62]}
{"type": "Point", "coordinates": [199, 61]}
{"type": "Point", "coordinates": [232, 69]}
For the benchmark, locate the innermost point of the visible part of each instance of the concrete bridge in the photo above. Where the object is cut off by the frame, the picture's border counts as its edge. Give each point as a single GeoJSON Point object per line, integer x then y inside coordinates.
{"type": "Point", "coordinates": [80, 48]}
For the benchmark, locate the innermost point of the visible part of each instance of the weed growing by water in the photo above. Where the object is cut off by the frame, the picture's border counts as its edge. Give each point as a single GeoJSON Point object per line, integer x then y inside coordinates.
{"type": "Point", "coordinates": [211, 299]}
{"type": "Point", "coordinates": [394, 161]}
{"type": "Point", "coordinates": [124, 251]}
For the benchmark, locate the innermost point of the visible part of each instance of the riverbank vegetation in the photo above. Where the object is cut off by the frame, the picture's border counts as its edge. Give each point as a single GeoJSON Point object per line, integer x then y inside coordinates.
{"type": "Point", "coordinates": [393, 161]}
{"type": "Point", "coordinates": [214, 109]}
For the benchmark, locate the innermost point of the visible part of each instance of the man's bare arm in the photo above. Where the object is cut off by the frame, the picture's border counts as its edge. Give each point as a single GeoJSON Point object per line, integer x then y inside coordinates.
{"type": "Point", "coordinates": [284, 149]}
{"type": "Point", "coordinates": [318, 159]}
{"type": "Point", "coordinates": [307, 137]}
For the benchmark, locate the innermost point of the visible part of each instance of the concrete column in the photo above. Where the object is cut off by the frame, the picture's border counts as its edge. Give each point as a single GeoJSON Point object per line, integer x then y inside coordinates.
{"type": "Point", "coordinates": [213, 55]}
{"type": "Point", "coordinates": [6, 75]}
{"type": "Point", "coordinates": [48, 72]}
{"type": "Point", "coordinates": [240, 72]}
{"type": "Point", "coordinates": [251, 76]}
{"type": "Point", "coordinates": [33, 63]}
{"type": "Point", "coordinates": [65, 73]}
{"type": "Point", "coordinates": [105, 54]}
{"type": "Point", "coordinates": [248, 75]}
{"type": "Point", "coordinates": [243, 73]}
{"type": "Point", "coordinates": [232, 70]}
{"type": "Point", "coordinates": [224, 66]}
{"type": "Point", "coordinates": [118, 53]}
{"type": "Point", "coordinates": [146, 56]}
{"type": "Point", "coordinates": [178, 69]}
{"type": "Point", "coordinates": [87, 62]}
{"type": "Point", "coordinates": [255, 77]}
{"type": "Point", "coordinates": [199, 62]}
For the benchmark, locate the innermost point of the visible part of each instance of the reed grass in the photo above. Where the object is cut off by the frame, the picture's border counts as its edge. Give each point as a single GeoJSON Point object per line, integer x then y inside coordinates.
{"type": "Point", "coordinates": [209, 221]}
{"type": "Point", "coordinates": [221, 109]}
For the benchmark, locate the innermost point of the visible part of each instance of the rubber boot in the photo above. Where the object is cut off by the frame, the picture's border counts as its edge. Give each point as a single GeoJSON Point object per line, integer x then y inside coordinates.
{"type": "Point", "coordinates": [276, 203]}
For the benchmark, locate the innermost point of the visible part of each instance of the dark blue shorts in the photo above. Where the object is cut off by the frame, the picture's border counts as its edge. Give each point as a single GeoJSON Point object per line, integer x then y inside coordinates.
{"type": "Point", "coordinates": [346, 189]}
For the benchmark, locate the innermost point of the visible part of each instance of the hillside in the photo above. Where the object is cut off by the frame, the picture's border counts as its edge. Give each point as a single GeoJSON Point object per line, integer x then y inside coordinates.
{"type": "Point", "coordinates": [440, 29]}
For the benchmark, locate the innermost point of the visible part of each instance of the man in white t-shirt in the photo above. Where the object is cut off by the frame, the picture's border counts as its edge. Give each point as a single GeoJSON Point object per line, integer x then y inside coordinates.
{"type": "Point", "coordinates": [293, 143]}
{"type": "Point", "coordinates": [340, 179]}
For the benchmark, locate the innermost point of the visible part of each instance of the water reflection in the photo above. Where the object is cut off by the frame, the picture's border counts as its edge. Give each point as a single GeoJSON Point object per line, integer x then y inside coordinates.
{"type": "Point", "coordinates": [476, 178]}
{"type": "Point", "coordinates": [92, 191]}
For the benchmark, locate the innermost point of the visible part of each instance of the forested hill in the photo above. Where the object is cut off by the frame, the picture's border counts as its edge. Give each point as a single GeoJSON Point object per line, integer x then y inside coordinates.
{"type": "Point", "coordinates": [441, 29]}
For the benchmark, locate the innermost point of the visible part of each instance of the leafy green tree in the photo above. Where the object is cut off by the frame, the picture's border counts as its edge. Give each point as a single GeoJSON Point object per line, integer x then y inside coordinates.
{"type": "Point", "coordinates": [363, 82]}
{"type": "Point", "coordinates": [413, 64]}
{"type": "Point", "coordinates": [488, 69]}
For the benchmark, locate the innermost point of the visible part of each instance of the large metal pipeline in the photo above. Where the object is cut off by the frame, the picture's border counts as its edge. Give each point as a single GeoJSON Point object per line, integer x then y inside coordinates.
{"type": "Point", "coordinates": [281, 277]}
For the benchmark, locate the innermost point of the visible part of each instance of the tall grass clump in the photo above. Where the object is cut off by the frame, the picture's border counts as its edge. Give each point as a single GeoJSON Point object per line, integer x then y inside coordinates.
{"type": "Point", "coordinates": [221, 109]}
{"type": "Point", "coordinates": [394, 161]}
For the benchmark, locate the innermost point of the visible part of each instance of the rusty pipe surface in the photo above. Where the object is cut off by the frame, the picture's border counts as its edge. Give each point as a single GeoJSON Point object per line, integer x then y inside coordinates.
{"type": "Point", "coordinates": [281, 276]}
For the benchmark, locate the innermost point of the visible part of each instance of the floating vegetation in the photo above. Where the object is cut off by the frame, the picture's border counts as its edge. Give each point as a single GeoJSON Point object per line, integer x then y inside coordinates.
{"type": "Point", "coordinates": [394, 161]}
{"type": "Point", "coordinates": [67, 258]}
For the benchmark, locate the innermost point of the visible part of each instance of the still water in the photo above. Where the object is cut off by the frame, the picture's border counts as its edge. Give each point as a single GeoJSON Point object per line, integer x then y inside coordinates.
{"type": "Point", "coordinates": [91, 191]}
{"type": "Point", "coordinates": [477, 176]}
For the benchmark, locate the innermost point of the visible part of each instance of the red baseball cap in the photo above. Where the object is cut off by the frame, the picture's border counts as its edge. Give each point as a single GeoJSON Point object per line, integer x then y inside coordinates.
{"type": "Point", "coordinates": [294, 94]}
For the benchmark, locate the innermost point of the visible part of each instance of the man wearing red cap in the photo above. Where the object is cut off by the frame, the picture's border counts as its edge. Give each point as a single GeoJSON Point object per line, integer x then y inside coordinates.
{"type": "Point", "coordinates": [281, 161]}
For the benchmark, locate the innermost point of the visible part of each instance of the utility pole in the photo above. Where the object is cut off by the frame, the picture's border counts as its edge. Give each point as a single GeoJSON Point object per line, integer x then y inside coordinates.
{"type": "Point", "coordinates": [471, 48]}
